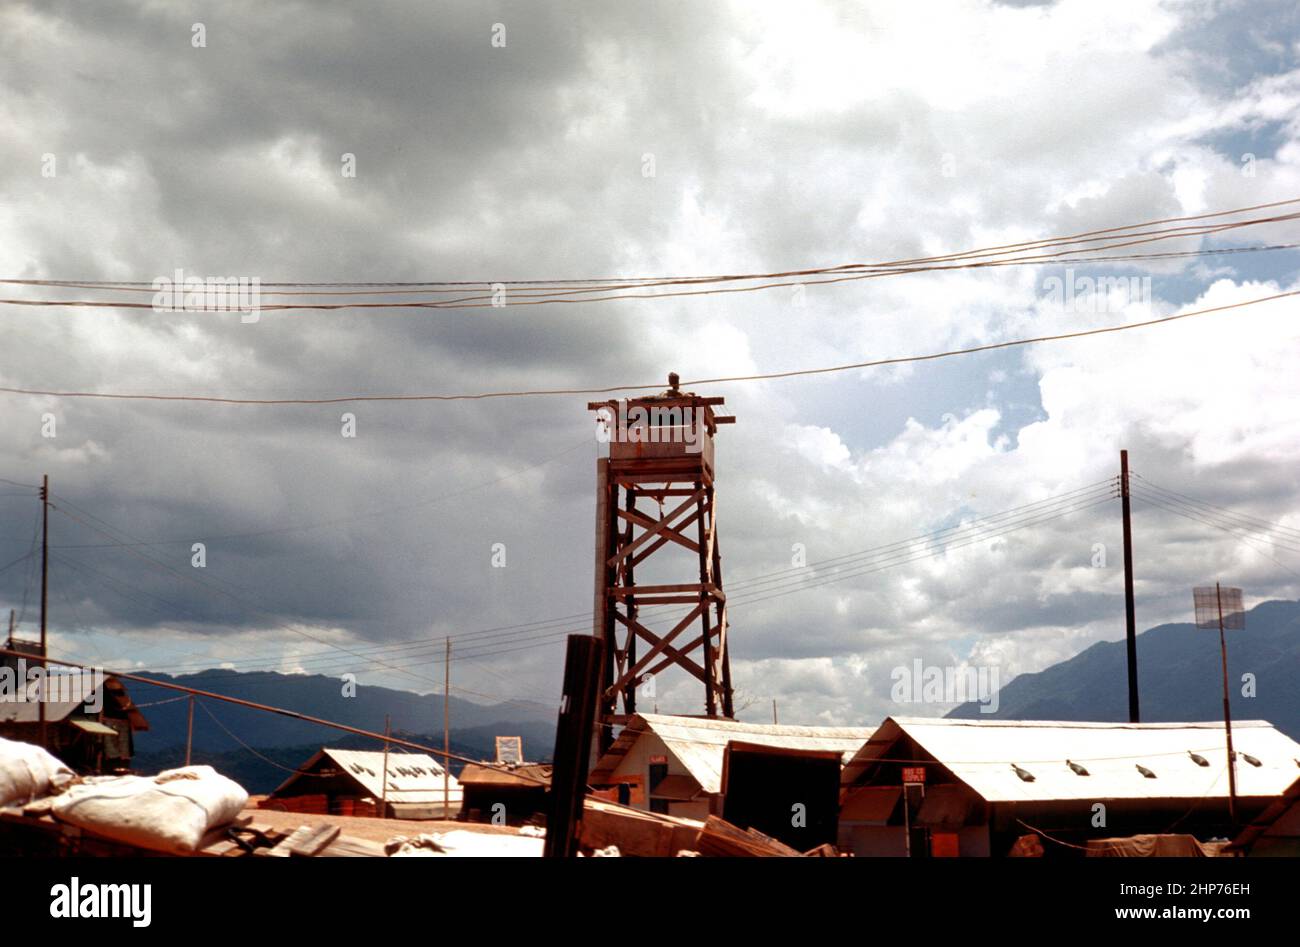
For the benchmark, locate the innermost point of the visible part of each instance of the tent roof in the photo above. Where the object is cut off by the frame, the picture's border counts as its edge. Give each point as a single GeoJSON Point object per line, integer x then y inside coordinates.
{"type": "Point", "coordinates": [412, 777]}
{"type": "Point", "coordinates": [700, 742]}
{"type": "Point", "coordinates": [984, 753]}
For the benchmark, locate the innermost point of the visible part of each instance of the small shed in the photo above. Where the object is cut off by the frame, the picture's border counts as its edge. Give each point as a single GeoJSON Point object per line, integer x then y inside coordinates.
{"type": "Point", "coordinates": [354, 782]}
{"type": "Point", "coordinates": [509, 794]}
{"type": "Point", "coordinates": [674, 765]}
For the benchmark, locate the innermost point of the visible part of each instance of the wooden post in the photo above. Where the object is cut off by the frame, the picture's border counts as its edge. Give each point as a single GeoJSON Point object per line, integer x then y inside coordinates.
{"type": "Point", "coordinates": [45, 590]}
{"type": "Point", "coordinates": [189, 732]}
{"type": "Point", "coordinates": [572, 760]}
{"type": "Point", "coordinates": [1130, 618]}
{"type": "Point", "coordinates": [383, 782]}
{"type": "Point", "coordinates": [446, 732]}
{"type": "Point", "coordinates": [1227, 715]}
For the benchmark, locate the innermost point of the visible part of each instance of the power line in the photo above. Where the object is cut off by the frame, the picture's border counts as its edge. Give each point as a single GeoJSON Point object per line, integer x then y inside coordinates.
{"type": "Point", "coordinates": [1233, 514]}
{"type": "Point", "coordinates": [611, 389]}
{"type": "Point", "coordinates": [604, 283]}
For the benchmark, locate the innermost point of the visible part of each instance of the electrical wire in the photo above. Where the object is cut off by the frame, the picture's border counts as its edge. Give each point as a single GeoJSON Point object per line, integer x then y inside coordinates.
{"type": "Point", "coordinates": [1233, 514]}
{"type": "Point", "coordinates": [611, 389]}
{"type": "Point", "coordinates": [1125, 232]}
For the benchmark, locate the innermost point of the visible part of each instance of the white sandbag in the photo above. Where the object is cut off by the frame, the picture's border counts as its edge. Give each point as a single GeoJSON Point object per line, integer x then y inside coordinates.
{"type": "Point", "coordinates": [28, 772]}
{"type": "Point", "coordinates": [170, 812]}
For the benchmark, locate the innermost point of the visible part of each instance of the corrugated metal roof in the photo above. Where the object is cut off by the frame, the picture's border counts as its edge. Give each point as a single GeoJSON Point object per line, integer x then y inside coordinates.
{"type": "Point", "coordinates": [522, 775]}
{"type": "Point", "coordinates": [984, 754]}
{"type": "Point", "coordinates": [412, 777]}
{"type": "Point", "coordinates": [699, 742]}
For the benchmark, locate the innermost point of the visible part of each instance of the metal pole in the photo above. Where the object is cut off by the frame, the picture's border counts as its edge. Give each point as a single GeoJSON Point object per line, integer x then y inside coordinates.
{"type": "Point", "coordinates": [1227, 715]}
{"type": "Point", "coordinates": [189, 732]}
{"type": "Point", "coordinates": [383, 789]}
{"type": "Point", "coordinates": [45, 588]}
{"type": "Point", "coordinates": [774, 710]}
{"type": "Point", "coordinates": [1130, 618]}
{"type": "Point", "coordinates": [446, 732]}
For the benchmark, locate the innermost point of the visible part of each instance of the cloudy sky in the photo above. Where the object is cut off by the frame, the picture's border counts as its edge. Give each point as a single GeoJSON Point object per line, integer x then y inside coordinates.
{"type": "Point", "coordinates": [778, 136]}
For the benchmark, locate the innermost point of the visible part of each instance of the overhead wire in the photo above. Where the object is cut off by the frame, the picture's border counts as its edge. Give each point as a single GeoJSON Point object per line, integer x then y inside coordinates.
{"type": "Point", "coordinates": [611, 389]}
{"type": "Point", "coordinates": [1124, 232]}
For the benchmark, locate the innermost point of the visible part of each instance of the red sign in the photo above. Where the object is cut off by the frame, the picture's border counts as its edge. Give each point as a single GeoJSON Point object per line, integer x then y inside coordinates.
{"type": "Point", "coordinates": [655, 760]}
{"type": "Point", "coordinates": [913, 774]}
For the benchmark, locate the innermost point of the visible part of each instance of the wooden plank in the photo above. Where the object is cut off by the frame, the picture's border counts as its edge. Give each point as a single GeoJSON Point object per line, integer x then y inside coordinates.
{"type": "Point", "coordinates": [622, 590]}
{"type": "Point", "coordinates": [316, 838]}
{"type": "Point", "coordinates": [720, 838]}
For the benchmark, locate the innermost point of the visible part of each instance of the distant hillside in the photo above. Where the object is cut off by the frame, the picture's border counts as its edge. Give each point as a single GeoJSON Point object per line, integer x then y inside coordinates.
{"type": "Point", "coordinates": [288, 741]}
{"type": "Point", "coordinates": [1179, 676]}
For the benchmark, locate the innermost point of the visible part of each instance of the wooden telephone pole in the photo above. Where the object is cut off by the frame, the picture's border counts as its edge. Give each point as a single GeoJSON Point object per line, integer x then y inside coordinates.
{"type": "Point", "coordinates": [45, 591]}
{"type": "Point", "coordinates": [189, 732]}
{"type": "Point", "coordinates": [446, 733]}
{"type": "Point", "coordinates": [1130, 617]}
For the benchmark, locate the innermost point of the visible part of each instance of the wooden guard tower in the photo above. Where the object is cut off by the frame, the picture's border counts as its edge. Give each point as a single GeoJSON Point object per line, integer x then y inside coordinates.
{"type": "Point", "coordinates": [655, 501]}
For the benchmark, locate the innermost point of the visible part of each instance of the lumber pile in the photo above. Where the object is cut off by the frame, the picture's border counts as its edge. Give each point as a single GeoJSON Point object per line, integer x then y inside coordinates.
{"type": "Point", "coordinates": [635, 833]}
{"type": "Point", "coordinates": [720, 839]}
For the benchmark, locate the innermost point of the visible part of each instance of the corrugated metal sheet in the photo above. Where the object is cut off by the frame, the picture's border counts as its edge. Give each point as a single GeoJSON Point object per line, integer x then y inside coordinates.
{"type": "Point", "coordinates": [523, 776]}
{"type": "Point", "coordinates": [412, 777]}
{"type": "Point", "coordinates": [982, 753]}
{"type": "Point", "coordinates": [699, 742]}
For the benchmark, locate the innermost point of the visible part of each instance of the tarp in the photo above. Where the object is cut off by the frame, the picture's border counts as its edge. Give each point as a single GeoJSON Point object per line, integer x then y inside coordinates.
{"type": "Point", "coordinates": [1152, 846]}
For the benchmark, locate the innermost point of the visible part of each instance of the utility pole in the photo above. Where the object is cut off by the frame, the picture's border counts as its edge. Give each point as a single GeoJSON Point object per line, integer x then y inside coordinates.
{"type": "Point", "coordinates": [1130, 617]}
{"type": "Point", "coordinates": [45, 588]}
{"type": "Point", "coordinates": [189, 732]}
{"type": "Point", "coordinates": [383, 789]}
{"type": "Point", "coordinates": [446, 732]}
{"type": "Point", "coordinates": [1209, 613]}
{"type": "Point", "coordinates": [11, 629]}
{"type": "Point", "coordinates": [1227, 714]}
{"type": "Point", "coordinates": [773, 711]}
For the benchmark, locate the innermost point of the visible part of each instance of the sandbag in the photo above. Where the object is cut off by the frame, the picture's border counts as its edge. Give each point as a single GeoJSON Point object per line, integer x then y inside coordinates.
{"type": "Point", "coordinates": [27, 772]}
{"type": "Point", "coordinates": [170, 812]}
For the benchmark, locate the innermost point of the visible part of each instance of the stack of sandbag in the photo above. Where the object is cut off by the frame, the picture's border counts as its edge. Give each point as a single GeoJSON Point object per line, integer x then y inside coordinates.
{"type": "Point", "coordinates": [170, 812]}
{"type": "Point", "coordinates": [28, 772]}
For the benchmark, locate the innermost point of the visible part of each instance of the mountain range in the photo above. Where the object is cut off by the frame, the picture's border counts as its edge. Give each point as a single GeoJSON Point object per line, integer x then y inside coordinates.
{"type": "Point", "coordinates": [1180, 676]}
{"type": "Point", "coordinates": [1179, 679]}
{"type": "Point", "coordinates": [224, 732]}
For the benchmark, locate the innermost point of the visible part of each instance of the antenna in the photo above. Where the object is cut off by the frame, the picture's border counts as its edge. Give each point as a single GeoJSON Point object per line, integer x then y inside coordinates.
{"type": "Point", "coordinates": [1222, 608]}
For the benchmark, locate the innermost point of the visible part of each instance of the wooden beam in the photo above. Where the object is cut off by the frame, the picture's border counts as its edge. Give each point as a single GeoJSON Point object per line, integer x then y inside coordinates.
{"type": "Point", "coordinates": [661, 525]}
{"type": "Point", "coordinates": [645, 522]}
{"type": "Point", "coordinates": [660, 646]}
